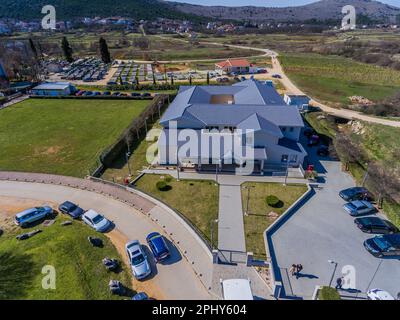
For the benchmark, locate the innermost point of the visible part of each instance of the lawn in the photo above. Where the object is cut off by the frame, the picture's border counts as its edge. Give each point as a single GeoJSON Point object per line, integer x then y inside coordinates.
{"type": "Point", "coordinates": [197, 200]}
{"type": "Point", "coordinates": [259, 218]}
{"type": "Point", "coordinates": [61, 136]}
{"type": "Point", "coordinates": [78, 265]}
{"type": "Point", "coordinates": [332, 79]}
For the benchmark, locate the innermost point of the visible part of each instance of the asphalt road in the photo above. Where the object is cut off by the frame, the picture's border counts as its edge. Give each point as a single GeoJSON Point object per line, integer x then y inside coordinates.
{"type": "Point", "coordinates": [175, 278]}
{"type": "Point", "coordinates": [320, 231]}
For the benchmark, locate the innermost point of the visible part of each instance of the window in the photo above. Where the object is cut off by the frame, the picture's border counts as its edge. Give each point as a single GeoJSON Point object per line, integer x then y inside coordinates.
{"type": "Point", "coordinates": [293, 158]}
{"type": "Point", "coordinates": [285, 158]}
{"type": "Point", "coordinates": [283, 129]}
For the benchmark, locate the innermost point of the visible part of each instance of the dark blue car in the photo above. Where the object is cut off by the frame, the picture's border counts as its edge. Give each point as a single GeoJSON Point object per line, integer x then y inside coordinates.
{"type": "Point", "coordinates": [71, 209]}
{"type": "Point", "coordinates": [158, 246]}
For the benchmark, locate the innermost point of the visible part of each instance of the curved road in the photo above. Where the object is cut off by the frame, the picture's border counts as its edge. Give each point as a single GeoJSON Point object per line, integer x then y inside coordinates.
{"type": "Point", "coordinates": [292, 88]}
{"type": "Point", "coordinates": [173, 280]}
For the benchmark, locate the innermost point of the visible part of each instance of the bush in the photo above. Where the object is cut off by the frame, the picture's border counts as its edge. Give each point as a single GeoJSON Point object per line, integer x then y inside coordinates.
{"type": "Point", "coordinates": [328, 293]}
{"type": "Point", "coordinates": [273, 201]}
{"type": "Point", "coordinates": [168, 179]}
{"type": "Point", "coordinates": [163, 186]}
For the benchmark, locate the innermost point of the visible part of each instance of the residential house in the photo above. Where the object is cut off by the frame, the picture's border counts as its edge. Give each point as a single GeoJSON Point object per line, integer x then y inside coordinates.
{"type": "Point", "coordinates": [235, 66]}
{"type": "Point", "coordinates": [265, 131]}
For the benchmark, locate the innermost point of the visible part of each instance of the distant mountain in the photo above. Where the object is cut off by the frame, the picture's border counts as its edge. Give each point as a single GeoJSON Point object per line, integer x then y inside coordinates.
{"type": "Point", "coordinates": [321, 10]}
{"type": "Point", "coordinates": [69, 9]}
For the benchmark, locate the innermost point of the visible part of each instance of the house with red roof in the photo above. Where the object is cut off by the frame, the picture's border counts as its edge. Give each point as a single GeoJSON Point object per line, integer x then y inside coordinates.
{"type": "Point", "coordinates": [236, 66]}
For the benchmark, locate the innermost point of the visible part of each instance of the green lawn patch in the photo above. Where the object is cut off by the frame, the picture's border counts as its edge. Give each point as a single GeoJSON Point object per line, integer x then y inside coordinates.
{"type": "Point", "coordinates": [78, 265]}
{"type": "Point", "coordinates": [332, 79]}
{"type": "Point", "coordinates": [61, 136]}
{"type": "Point", "coordinates": [259, 216]}
{"type": "Point", "coordinates": [197, 200]}
{"type": "Point", "coordinates": [328, 293]}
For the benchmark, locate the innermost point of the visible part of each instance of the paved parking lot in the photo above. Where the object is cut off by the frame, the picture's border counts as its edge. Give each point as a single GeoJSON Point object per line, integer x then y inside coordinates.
{"type": "Point", "coordinates": [320, 231]}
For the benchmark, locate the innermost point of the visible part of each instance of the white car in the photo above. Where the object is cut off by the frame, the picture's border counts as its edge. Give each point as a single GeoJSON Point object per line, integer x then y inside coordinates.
{"type": "Point", "coordinates": [378, 294]}
{"type": "Point", "coordinates": [96, 220]}
{"type": "Point", "coordinates": [138, 260]}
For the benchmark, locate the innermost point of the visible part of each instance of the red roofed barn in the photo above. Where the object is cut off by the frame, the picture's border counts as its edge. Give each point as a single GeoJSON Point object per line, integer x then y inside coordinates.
{"type": "Point", "coordinates": [235, 65]}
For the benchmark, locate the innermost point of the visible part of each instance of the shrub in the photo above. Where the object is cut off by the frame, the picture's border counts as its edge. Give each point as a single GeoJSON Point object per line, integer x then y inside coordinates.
{"type": "Point", "coordinates": [328, 293]}
{"type": "Point", "coordinates": [161, 185]}
{"type": "Point", "coordinates": [273, 201]}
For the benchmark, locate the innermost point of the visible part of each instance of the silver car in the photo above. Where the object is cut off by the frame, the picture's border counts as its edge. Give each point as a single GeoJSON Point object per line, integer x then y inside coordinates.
{"type": "Point", "coordinates": [138, 260]}
{"type": "Point", "coordinates": [359, 207]}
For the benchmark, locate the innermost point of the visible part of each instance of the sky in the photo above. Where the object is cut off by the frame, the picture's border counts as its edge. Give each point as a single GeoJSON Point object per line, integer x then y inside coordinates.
{"type": "Point", "coordinates": [265, 3]}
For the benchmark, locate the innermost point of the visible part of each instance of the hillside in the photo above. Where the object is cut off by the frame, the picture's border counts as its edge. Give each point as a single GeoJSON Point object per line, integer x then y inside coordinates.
{"type": "Point", "coordinates": [137, 9]}
{"type": "Point", "coordinates": [321, 10]}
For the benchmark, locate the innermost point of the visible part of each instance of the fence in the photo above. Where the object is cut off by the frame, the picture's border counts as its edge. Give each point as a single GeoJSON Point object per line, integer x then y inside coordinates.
{"type": "Point", "coordinates": [129, 136]}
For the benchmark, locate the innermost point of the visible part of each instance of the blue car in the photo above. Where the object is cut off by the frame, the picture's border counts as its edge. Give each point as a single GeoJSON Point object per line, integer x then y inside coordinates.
{"type": "Point", "coordinates": [158, 246]}
{"type": "Point", "coordinates": [71, 209]}
{"type": "Point", "coordinates": [359, 207]}
{"type": "Point", "coordinates": [140, 296]}
{"type": "Point", "coordinates": [26, 217]}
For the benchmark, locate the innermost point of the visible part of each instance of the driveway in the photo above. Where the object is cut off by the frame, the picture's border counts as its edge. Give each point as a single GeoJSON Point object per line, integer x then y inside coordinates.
{"type": "Point", "coordinates": [175, 279]}
{"type": "Point", "coordinates": [320, 231]}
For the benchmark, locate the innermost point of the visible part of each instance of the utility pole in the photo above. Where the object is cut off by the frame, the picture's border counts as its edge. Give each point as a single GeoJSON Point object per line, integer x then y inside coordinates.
{"type": "Point", "coordinates": [287, 170]}
{"type": "Point", "coordinates": [177, 164]}
{"type": "Point", "coordinates": [334, 271]}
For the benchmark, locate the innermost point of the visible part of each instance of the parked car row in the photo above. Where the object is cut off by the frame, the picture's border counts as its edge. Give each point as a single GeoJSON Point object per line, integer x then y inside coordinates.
{"type": "Point", "coordinates": [387, 240]}
{"type": "Point", "coordinates": [87, 69]}
{"type": "Point", "coordinates": [85, 93]}
{"type": "Point", "coordinates": [138, 260]}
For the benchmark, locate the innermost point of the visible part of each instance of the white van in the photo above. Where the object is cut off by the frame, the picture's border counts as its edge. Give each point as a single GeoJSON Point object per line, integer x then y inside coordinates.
{"type": "Point", "coordinates": [236, 289]}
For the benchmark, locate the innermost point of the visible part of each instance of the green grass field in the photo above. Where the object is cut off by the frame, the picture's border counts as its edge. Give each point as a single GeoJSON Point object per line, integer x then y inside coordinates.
{"type": "Point", "coordinates": [61, 136]}
{"type": "Point", "coordinates": [332, 79]}
{"type": "Point", "coordinates": [197, 200]}
{"type": "Point", "coordinates": [257, 220]}
{"type": "Point", "coordinates": [78, 265]}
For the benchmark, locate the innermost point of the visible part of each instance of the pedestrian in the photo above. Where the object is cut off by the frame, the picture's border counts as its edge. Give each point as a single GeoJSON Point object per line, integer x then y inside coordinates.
{"type": "Point", "coordinates": [339, 283]}
{"type": "Point", "coordinates": [299, 268]}
{"type": "Point", "coordinates": [292, 270]}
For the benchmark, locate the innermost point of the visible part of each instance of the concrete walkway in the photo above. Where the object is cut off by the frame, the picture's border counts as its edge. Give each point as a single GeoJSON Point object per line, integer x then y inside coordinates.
{"type": "Point", "coordinates": [230, 219]}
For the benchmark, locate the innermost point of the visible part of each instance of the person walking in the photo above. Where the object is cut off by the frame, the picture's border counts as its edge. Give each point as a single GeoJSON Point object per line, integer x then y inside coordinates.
{"type": "Point", "coordinates": [299, 268]}
{"type": "Point", "coordinates": [292, 270]}
{"type": "Point", "coordinates": [339, 283]}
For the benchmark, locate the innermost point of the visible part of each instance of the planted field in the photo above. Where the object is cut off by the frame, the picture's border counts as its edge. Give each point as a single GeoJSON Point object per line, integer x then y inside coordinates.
{"type": "Point", "coordinates": [333, 79]}
{"type": "Point", "coordinates": [261, 214]}
{"type": "Point", "coordinates": [78, 265]}
{"type": "Point", "coordinates": [61, 136]}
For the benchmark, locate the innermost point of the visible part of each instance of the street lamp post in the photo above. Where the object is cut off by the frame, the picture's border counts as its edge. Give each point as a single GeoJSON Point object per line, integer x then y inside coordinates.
{"type": "Point", "coordinates": [128, 154]}
{"type": "Point", "coordinates": [248, 199]}
{"type": "Point", "coordinates": [177, 165]}
{"type": "Point", "coordinates": [334, 271]}
{"type": "Point", "coordinates": [287, 170]}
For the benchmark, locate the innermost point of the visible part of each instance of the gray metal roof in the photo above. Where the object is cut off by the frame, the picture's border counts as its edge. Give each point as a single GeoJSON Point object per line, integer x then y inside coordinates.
{"type": "Point", "coordinates": [250, 97]}
{"type": "Point", "coordinates": [53, 86]}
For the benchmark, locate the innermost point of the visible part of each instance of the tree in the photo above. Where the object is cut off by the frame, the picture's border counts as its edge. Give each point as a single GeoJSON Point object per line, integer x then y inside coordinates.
{"type": "Point", "coordinates": [208, 77]}
{"type": "Point", "coordinates": [154, 79]}
{"type": "Point", "coordinates": [67, 50]}
{"type": "Point", "coordinates": [190, 80]}
{"type": "Point", "coordinates": [104, 52]}
{"type": "Point", "coordinates": [33, 48]}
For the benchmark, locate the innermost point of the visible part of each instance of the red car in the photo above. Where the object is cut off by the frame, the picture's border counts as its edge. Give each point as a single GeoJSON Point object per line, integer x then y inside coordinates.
{"type": "Point", "coordinates": [80, 93]}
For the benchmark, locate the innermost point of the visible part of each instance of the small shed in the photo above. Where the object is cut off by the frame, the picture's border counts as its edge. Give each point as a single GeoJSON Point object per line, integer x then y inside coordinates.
{"type": "Point", "coordinates": [301, 101]}
{"type": "Point", "coordinates": [54, 89]}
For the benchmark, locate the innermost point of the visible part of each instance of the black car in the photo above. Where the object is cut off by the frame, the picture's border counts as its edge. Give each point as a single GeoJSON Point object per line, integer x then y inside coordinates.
{"type": "Point", "coordinates": [384, 245]}
{"type": "Point", "coordinates": [375, 225]}
{"type": "Point", "coordinates": [146, 95]}
{"type": "Point", "coordinates": [71, 209]}
{"type": "Point", "coordinates": [323, 151]}
{"type": "Point", "coordinates": [135, 94]}
{"type": "Point", "coordinates": [356, 193]}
